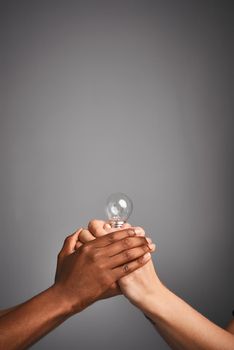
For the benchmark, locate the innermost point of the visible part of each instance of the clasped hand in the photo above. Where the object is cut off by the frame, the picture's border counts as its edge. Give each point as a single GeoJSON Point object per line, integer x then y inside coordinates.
{"type": "Point", "coordinates": [94, 264]}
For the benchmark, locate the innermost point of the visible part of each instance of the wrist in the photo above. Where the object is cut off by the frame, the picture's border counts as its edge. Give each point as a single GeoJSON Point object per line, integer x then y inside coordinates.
{"type": "Point", "coordinates": [66, 307]}
{"type": "Point", "coordinates": [152, 302]}
{"type": "Point", "coordinates": [159, 305]}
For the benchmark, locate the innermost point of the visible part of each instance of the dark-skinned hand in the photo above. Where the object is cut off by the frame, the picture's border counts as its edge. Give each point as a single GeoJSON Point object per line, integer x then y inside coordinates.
{"type": "Point", "coordinates": [85, 275]}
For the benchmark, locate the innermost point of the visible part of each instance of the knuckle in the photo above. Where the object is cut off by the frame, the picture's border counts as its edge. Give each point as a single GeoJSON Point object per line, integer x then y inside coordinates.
{"type": "Point", "coordinates": [131, 232]}
{"type": "Point", "coordinates": [93, 255]}
{"type": "Point", "coordinates": [67, 239]}
{"type": "Point", "coordinates": [127, 254]}
{"type": "Point", "coordinates": [111, 237]}
{"type": "Point", "coordinates": [102, 265]}
{"type": "Point", "coordinates": [140, 260]}
{"type": "Point", "coordinates": [96, 255]}
{"type": "Point", "coordinates": [127, 242]}
{"type": "Point", "coordinates": [145, 248]}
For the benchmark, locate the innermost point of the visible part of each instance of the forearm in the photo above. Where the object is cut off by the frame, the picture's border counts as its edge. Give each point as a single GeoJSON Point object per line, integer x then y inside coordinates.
{"type": "Point", "coordinates": [6, 311]}
{"type": "Point", "coordinates": [28, 322]}
{"type": "Point", "coordinates": [183, 327]}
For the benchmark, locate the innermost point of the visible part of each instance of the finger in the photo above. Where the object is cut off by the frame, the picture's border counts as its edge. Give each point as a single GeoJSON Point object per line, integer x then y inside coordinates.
{"type": "Point", "coordinates": [85, 236]}
{"type": "Point", "coordinates": [126, 225]}
{"type": "Point", "coordinates": [125, 244]}
{"type": "Point", "coordinates": [152, 247]}
{"type": "Point", "coordinates": [111, 229]}
{"type": "Point", "coordinates": [113, 237]}
{"type": "Point", "coordinates": [96, 227]}
{"type": "Point", "coordinates": [107, 227]}
{"type": "Point", "coordinates": [125, 269]}
{"type": "Point", "coordinates": [127, 256]}
{"type": "Point", "coordinates": [70, 243]}
{"type": "Point", "coordinates": [139, 230]}
{"type": "Point", "coordinates": [78, 245]}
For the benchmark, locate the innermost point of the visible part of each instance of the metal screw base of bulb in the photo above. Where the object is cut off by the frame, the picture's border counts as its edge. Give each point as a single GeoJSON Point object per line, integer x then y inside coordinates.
{"type": "Point", "coordinates": [116, 224]}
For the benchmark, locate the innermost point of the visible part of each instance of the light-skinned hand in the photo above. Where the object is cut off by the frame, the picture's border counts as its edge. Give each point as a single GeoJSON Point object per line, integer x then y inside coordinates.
{"type": "Point", "coordinates": [140, 283]}
{"type": "Point", "coordinates": [85, 274]}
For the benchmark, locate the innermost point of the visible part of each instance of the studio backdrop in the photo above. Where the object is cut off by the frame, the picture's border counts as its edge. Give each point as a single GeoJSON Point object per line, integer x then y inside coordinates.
{"type": "Point", "coordinates": [106, 96]}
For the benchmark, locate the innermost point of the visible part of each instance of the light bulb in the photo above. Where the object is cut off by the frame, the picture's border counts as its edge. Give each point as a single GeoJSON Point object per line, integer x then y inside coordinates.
{"type": "Point", "coordinates": [118, 208]}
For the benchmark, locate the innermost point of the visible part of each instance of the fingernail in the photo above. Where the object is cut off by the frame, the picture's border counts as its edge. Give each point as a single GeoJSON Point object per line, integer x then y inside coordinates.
{"type": "Point", "coordinates": [151, 246]}
{"type": "Point", "coordinates": [139, 231]}
{"type": "Point", "coordinates": [107, 226]}
{"type": "Point", "coordinates": [149, 240]}
{"type": "Point", "coordinates": [131, 232]}
{"type": "Point", "coordinates": [146, 257]}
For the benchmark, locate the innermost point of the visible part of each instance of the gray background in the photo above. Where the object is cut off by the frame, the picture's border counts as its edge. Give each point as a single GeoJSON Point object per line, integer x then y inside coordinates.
{"type": "Point", "coordinates": [106, 96]}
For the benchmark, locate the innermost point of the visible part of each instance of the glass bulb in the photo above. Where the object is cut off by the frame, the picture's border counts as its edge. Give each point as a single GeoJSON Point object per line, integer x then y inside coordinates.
{"type": "Point", "coordinates": [118, 208]}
